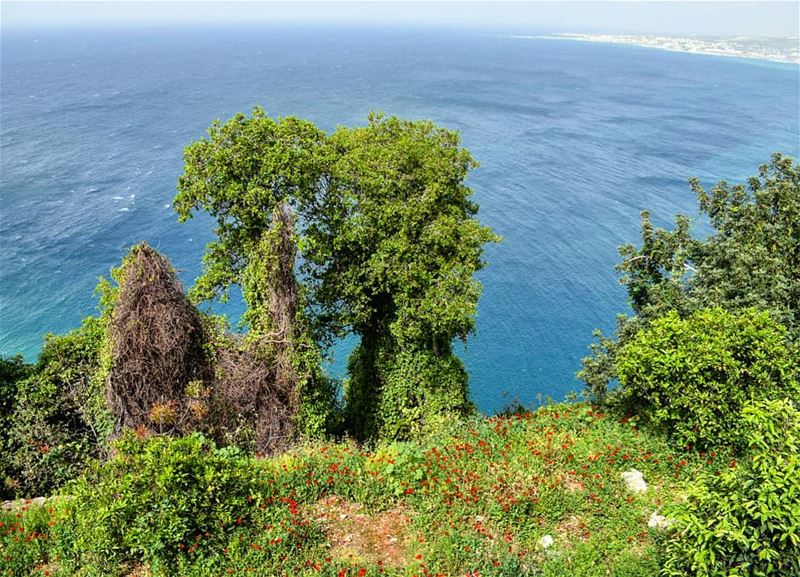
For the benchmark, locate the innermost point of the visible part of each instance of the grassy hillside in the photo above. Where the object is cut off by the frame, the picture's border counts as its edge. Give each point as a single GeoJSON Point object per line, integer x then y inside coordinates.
{"type": "Point", "coordinates": [478, 498]}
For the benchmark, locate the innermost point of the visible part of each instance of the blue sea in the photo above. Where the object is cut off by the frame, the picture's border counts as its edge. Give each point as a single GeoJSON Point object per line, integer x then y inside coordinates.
{"type": "Point", "coordinates": [574, 140]}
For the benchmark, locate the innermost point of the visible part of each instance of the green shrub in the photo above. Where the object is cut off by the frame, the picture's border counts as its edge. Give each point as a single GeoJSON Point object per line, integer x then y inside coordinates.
{"type": "Point", "coordinates": [155, 496]}
{"type": "Point", "coordinates": [750, 259]}
{"type": "Point", "coordinates": [693, 376]}
{"type": "Point", "coordinates": [745, 521]}
{"type": "Point", "coordinates": [60, 422]}
{"type": "Point", "coordinates": [12, 371]}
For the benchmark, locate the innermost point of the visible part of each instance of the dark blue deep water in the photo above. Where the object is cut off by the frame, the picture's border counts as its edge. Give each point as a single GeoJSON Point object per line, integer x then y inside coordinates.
{"type": "Point", "coordinates": [574, 140]}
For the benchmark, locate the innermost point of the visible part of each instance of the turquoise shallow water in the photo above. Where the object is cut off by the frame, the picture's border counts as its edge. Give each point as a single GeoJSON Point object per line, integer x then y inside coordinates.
{"type": "Point", "coordinates": [574, 140]}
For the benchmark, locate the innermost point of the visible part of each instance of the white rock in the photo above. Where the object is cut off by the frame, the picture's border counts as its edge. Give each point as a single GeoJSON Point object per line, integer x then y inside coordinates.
{"type": "Point", "coordinates": [546, 542]}
{"type": "Point", "coordinates": [658, 521]}
{"type": "Point", "coordinates": [635, 481]}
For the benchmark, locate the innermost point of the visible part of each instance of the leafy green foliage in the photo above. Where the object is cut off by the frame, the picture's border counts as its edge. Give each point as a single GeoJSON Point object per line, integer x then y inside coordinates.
{"type": "Point", "coordinates": [399, 243]}
{"type": "Point", "coordinates": [61, 422]}
{"type": "Point", "coordinates": [473, 497]}
{"type": "Point", "coordinates": [12, 371]}
{"type": "Point", "coordinates": [656, 274]}
{"type": "Point", "coordinates": [693, 376]}
{"type": "Point", "coordinates": [153, 497]}
{"type": "Point", "coordinates": [388, 244]}
{"type": "Point", "coordinates": [745, 521]}
{"type": "Point", "coordinates": [392, 258]}
{"type": "Point", "coordinates": [751, 259]}
{"type": "Point", "coordinates": [418, 389]}
{"type": "Point", "coordinates": [239, 174]}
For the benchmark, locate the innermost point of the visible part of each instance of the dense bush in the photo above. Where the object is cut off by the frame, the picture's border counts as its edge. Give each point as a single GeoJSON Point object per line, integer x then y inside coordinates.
{"type": "Point", "coordinates": [12, 371]}
{"type": "Point", "coordinates": [750, 259]}
{"type": "Point", "coordinates": [154, 497]}
{"type": "Point", "coordinates": [693, 376]}
{"type": "Point", "coordinates": [60, 422]}
{"type": "Point", "coordinates": [745, 521]}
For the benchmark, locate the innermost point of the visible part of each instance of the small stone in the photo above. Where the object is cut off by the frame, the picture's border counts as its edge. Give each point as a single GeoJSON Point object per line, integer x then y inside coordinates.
{"type": "Point", "coordinates": [635, 481]}
{"type": "Point", "coordinates": [659, 521]}
{"type": "Point", "coordinates": [546, 542]}
{"type": "Point", "coordinates": [342, 516]}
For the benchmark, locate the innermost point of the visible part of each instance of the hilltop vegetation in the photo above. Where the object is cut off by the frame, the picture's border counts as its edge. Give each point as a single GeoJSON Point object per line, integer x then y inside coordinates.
{"type": "Point", "coordinates": [475, 498]}
{"type": "Point", "coordinates": [173, 444]}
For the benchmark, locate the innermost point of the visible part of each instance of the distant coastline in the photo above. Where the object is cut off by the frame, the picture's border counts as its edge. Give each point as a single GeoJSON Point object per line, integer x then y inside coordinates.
{"type": "Point", "coordinates": [785, 50]}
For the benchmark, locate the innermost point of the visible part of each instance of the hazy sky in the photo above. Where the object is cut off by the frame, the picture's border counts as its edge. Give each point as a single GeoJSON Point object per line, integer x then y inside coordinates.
{"type": "Point", "coordinates": [712, 18]}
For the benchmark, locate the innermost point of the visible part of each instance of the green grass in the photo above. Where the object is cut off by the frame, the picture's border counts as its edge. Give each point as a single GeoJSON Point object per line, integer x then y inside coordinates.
{"type": "Point", "coordinates": [472, 499]}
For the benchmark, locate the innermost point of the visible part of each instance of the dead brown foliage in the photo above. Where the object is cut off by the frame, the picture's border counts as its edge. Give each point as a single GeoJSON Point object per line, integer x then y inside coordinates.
{"type": "Point", "coordinates": [250, 401]}
{"type": "Point", "coordinates": [157, 342]}
{"type": "Point", "coordinates": [257, 377]}
{"type": "Point", "coordinates": [283, 299]}
{"type": "Point", "coordinates": [248, 393]}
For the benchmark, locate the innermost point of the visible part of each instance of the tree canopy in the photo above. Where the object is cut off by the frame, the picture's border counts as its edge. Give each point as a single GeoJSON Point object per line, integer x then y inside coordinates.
{"type": "Point", "coordinates": [239, 174]}
{"type": "Point", "coordinates": [398, 240]}
{"type": "Point", "coordinates": [750, 259]}
{"type": "Point", "coordinates": [386, 234]}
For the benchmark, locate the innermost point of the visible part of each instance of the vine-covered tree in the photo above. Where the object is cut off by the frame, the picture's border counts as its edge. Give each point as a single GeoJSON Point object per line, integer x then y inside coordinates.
{"type": "Point", "coordinates": [388, 240]}
{"type": "Point", "coordinates": [250, 174]}
{"type": "Point", "coordinates": [391, 257]}
{"type": "Point", "coordinates": [240, 174]}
